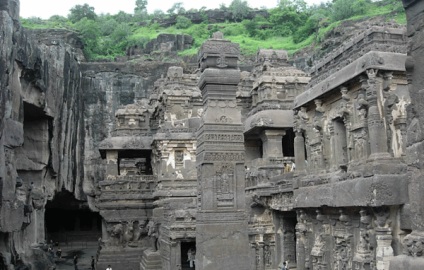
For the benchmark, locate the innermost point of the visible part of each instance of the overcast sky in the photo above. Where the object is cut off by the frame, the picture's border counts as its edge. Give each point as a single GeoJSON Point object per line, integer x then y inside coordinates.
{"type": "Point", "coordinates": [46, 8]}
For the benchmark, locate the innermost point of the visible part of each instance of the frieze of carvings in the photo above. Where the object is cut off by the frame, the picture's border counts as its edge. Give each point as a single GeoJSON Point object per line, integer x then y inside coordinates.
{"type": "Point", "coordinates": [129, 233]}
{"type": "Point", "coordinates": [261, 122]}
{"type": "Point", "coordinates": [281, 201]}
{"type": "Point", "coordinates": [217, 47]}
{"type": "Point", "coordinates": [223, 119]}
{"type": "Point", "coordinates": [224, 157]}
{"type": "Point", "coordinates": [222, 103]}
{"type": "Point", "coordinates": [133, 143]}
{"type": "Point", "coordinates": [222, 137]}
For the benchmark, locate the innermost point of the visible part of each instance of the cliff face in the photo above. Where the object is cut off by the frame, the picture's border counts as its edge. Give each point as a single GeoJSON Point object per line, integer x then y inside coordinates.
{"type": "Point", "coordinates": [41, 129]}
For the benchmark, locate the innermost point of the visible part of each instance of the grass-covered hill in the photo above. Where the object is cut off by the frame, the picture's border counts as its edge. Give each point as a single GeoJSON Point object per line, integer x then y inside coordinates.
{"type": "Point", "coordinates": [292, 25]}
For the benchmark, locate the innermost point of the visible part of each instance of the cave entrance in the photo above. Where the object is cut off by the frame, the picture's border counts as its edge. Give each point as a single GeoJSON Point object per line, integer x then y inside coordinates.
{"type": "Point", "coordinates": [70, 222]}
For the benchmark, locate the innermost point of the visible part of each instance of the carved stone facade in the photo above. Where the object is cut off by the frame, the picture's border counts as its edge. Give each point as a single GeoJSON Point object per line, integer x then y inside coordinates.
{"type": "Point", "coordinates": [238, 170]}
{"type": "Point", "coordinates": [321, 163]}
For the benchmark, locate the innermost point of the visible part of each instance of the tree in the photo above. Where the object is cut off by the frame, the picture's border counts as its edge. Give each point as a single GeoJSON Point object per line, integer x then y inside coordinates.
{"type": "Point", "coordinates": [140, 6]}
{"type": "Point", "coordinates": [240, 9]}
{"type": "Point", "coordinates": [288, 16]}
{"type": "Point", "coordinates": [298, 5]}
{"type": "Point", "coordinates": [89, 31]}
{"type": "Point", "coordinates": [177, 8]}
{"type": "Point", "coordinates": [81, 11]}
{"type": "Point", "coordinates": [122, 17]}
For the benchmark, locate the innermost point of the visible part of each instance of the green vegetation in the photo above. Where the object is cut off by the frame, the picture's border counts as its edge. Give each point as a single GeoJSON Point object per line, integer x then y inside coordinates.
{"type": "Point", "coordinates": [291, 25]}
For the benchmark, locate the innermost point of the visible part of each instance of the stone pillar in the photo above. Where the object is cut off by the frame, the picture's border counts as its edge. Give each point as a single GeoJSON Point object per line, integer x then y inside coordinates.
{"type": "Point", "coordinates": [261, 261]}
{"type": "Point", "coordinates": [299, 152]}
{"type": "Point", "coordinates": [384, 250]}
{"type": "Point", "coordinates": [112, 163]}
{"type": "Point", "coordinates": [383, 236]}
{"type": "Point", "coordinates": [221, 224]}
{"type": "Point", "coordinates": [175, 256]}
{"type": "Point", "coordinates": [376, 126]}
{"type": "Point", "coordinates": [272, 143]}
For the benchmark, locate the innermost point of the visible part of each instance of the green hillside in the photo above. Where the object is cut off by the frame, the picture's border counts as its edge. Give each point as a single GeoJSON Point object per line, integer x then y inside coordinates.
{"type": "Point", "coordinates": [292, 25]}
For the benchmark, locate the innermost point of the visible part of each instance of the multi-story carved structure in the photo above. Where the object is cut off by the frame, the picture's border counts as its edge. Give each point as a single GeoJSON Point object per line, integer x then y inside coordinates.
{"type": "Point", "coordinates": [222, 168]}
{"type": "Point", "coordinates": [322, 165]}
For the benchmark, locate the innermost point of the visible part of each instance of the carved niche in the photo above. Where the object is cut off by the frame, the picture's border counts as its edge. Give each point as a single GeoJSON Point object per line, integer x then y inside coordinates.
{"type": "Point", "coordinates": [224, 180]}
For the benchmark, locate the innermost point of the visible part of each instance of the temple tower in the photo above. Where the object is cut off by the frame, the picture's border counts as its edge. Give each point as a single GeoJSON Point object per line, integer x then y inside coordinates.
{"type": "Point", "coordinates": [221, 228]}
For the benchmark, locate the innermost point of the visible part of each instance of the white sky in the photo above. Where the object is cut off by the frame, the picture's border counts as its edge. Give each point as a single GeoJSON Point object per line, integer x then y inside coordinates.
{"type": "Point", "coordinates": [46, 8]}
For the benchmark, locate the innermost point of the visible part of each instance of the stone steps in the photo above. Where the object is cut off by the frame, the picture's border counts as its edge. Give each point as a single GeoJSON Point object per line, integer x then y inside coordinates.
{"type": "Point", "coordinates": [150, 261]}
{"type": "Point", "coordinates": [126, 259]}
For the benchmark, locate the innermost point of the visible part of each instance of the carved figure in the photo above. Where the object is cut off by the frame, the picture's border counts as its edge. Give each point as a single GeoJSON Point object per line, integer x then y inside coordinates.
{"type": "Point", "coordinates": [267, 255]}
{"type": "Point", "coordinates": [153, 234]}
{"type": "Point", "coordinates": [115, 234]}
{"type": "Point", "coordinates": [128, 233]}
{"type": "Point", "coordinates": [413, 245]}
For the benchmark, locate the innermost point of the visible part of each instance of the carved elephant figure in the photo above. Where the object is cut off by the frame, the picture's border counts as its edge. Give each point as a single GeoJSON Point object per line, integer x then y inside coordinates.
{"type": "Point", "coordinates": [115, 234]}
{"type": "Point", "coordinates": [128, 233]}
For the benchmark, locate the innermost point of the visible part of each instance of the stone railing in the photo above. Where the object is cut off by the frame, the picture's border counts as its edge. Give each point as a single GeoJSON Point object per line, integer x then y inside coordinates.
{"type": "Point", "coordinates": [131, 132]}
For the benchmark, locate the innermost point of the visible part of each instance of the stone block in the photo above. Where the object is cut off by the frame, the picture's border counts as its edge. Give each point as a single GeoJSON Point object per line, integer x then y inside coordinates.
{"type": "Point", "coordinates": [14, 133]}
{"type": "Point", "coordinates": [372, 191]}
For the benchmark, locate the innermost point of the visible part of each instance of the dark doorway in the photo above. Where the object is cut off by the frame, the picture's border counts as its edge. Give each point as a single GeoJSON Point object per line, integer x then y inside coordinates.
{"type": "Point", "coordinates": [288, 143]}
{"type": "Point", "coordinates": [186, 248]}
{"type": "Point", "coordinates": [69, 220]}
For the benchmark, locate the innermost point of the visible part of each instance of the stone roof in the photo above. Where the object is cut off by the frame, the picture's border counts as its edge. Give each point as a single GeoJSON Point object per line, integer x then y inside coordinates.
{"type": "Point", "coordinates": [371, 60]}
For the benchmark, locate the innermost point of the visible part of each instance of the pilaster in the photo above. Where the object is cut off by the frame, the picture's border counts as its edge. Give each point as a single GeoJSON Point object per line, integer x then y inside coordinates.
{"type": "Point", "coordinates": [221, 225]}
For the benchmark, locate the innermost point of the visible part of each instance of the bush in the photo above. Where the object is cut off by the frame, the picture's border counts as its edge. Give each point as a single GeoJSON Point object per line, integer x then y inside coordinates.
{"type": "Point", "coordinates": [182, 22]}
{"type": "Point", "coordinates": [344, 9]}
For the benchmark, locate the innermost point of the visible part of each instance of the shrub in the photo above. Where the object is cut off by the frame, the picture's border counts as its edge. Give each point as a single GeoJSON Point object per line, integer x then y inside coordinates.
{"type": "Point", "coordinates": [182, 22]}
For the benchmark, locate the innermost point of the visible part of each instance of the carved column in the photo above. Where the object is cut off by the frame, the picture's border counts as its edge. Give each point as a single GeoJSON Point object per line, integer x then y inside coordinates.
{"type": "Point", "coordinates": [272, 143]}
{"type": "Point", "coordinates": [376, 126]}
{"type": "Point", "coordinates": [299, 152]}
{"type": "Point", "coordinates": [112, 163]}
{"type": "Point", "coordinates": [302, 242]}
{"type": "Point", "coordinates": [261, 261]}
{"type": "Point", "coordinates": [383, 235]}
{"type": "Point", "coordinates": [221, 224]}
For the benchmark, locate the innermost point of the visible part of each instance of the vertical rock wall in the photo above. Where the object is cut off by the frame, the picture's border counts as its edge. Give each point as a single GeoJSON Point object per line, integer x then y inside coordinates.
{"type": "Point", "coordinates": [41, 130]}
{"type": "Point", "coordinates": [413, 245]}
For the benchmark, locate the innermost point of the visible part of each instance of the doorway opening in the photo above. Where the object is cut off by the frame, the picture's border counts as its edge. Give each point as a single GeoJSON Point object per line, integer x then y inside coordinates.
{"type": "Point", "coordinates": [188, 253]}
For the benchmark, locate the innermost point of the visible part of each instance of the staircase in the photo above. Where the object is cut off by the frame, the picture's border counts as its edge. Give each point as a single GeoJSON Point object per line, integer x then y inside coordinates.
{"type": "Point", "coordinates": [150, 260]}
{"type": "Point", "coordinates": [126, 259]}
